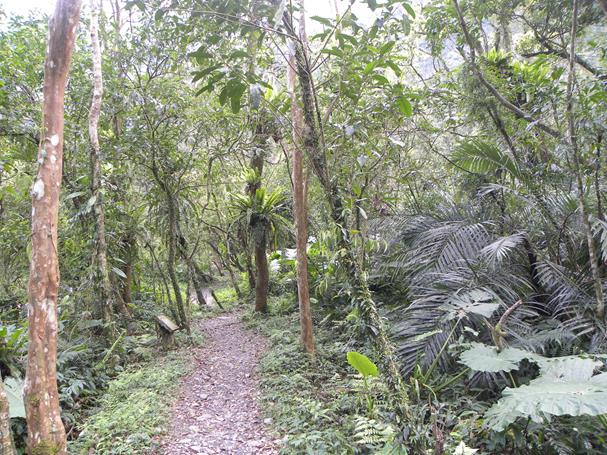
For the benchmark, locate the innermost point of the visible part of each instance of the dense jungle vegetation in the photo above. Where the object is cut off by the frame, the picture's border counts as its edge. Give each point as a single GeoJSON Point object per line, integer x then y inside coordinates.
{"type": "Point", "coordinates": [262, 227]}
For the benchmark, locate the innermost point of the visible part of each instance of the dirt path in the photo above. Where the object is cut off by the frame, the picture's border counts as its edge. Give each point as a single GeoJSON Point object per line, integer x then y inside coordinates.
{"type": "Point", "coordinates": [217, 411]}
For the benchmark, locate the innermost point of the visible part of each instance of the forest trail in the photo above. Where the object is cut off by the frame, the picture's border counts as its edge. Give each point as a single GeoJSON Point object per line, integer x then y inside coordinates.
{"type": "Point", "coordinates": [217, 410]}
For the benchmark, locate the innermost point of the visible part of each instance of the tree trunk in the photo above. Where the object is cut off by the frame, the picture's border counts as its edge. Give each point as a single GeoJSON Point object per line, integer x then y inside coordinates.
{"type": "Point", "coordinates": [263, 272]}
{"type": "Point", "coordinates": [7, 447]}
{"type": "Point", "coordinates": [130, 245]}
{"type": "Point", "coordinates": [234, 281]}
{"type": "Point", "coordinates": [244, 237]}
{"type": "Point", "coordinates": [197, 282]}
{"type": "Point", "coordinates": [226, 264]}
{"type": "Point", "coordinates": [103, 286]}
{"type": "Point", "coordinates": [356, 276]}
{"type": "Point", "coordinates": [299, 209]}
{"type": "Point", "coordinates": [198, 279]}
{"type": "Point", "coordinates": [165, 283]}
{"type": "Point", "coordinates": [46, 433]}
{"type": "Point", "coordinates": [172, 247]}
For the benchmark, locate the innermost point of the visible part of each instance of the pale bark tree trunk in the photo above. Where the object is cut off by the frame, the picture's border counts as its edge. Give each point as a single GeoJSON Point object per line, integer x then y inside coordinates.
{"type": "Point", "coordinates": [299, 208]}
{"type": "Point", "coordinates": [46, 433]}
{"type": "Point", "coordinates": [7, 447]}
{"type": "Point", "coordinates": [103, 286]}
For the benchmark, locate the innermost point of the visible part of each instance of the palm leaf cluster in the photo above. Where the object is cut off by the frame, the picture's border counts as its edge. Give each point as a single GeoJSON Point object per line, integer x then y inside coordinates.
{"type": "Point", "coordinates": [471, 261]}
{"type": "Point", "coordinates": [263, 211]}
{"type": "Point", "coordinates": [456, 266]}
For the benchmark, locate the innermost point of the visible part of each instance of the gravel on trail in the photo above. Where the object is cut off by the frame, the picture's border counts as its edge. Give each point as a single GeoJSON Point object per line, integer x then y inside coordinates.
{"type": "Point", "coordinates": [217, 410]}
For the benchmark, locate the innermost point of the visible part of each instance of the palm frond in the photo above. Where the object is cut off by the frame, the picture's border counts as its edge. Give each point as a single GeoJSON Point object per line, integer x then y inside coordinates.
{"type": "Point", "coordinates": [481, 157]}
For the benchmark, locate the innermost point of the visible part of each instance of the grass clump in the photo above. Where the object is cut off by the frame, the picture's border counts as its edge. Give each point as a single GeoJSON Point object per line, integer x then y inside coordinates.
{"type": "Point", "coordinates": [134, 410]}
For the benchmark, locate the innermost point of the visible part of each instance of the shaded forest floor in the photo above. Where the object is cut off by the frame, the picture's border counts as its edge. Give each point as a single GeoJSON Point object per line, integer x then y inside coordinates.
{"type": "Point", "coordinates": [217, 409]}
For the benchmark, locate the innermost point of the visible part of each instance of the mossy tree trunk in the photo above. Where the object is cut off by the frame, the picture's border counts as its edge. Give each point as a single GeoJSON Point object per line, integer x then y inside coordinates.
{"type": "Point", "coordinates": [299, 209]}
{"type": "Point", "coordinates": [103, 288]}
{"type": "Point", "coordinates": [7, 447]}
{"type": "Point", "coordinates": [262, 283]}
{"type": "Point", "coordinates": [172, 247]}
{"type": "Point", "coordinates": [46, 433]}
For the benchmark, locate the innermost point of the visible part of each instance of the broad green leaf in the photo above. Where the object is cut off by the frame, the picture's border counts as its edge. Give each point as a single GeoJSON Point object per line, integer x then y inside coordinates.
{"type": "Point", "coordinates": [347, 37]}
{"type": "Point", "coordinates": [238, 54]}
{"type": "Point", "coordinates": [223, 96]}
{"type": "Point", "coordinates": [485, 358]}
{"type": "Point", "coordinates": [14, 392]}
{"type": "Point", "coordinates": [362, 364]}
{"type": "Point", "coordinates": [568, 368]}
{"type": "Point", "coordinates": [202, 73]}
{"type": "Point", "coordinates": [201, 53]}
{"type": "Point", "coordinates": [404, 106]}
{"type": "Point", "coordinates": [541, 399]}
{"type": "Point", "coordinates": [235, 93]}
{"type": "Point", "coordinates": [387, 47]}
{"type": "Point", "coordinates": [370, 67]}
{"type": "Point", "coordinates": [476, 301]}
{"type": "Point", "coordinates": [333, 51]}
{"type": "Point", "coordinates": [159, 14]}
{"type": "Point", "coordinates": [409, 10]}
{"type": "Point", "coordinates": [463, 449]}
{"type": "Point", "coordinates": [322, 20]}
{"type": "Point", "coordinates": [394, 67]}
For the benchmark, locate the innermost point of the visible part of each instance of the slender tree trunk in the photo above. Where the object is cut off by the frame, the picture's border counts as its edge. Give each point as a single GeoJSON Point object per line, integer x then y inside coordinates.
{"type": "Point", "coordinates": [263, 272]}
{"type": "Point", "coordinates": [356, 276]}
{"type": "Point", "coordinates": [46, 433]}
{"type": "Point", "coordinates": [7, 447]}
{"type": "Point", "coordinates": [234, 282]}
{"type": "Point", "coordinates": [165, 283]}
{"type": "Point", "coordinates": [226, 264]}
{"type": "Point", "coordinates": [171, 263]}
{"type": "Point", "coordinates": [575, 152]}
{"type": "Point", "coordinates": [196, 274]}
{"type": "Point", "coordinates": [130, 254]}
{"type": "Point", "coordinates": [103, 286]}
{"type": "Point", "coordinates": [299, 209]}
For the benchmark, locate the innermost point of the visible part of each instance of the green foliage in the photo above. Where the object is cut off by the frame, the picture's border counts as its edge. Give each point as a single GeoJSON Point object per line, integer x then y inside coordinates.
{"type": "Point", "coordinates": [485, 158]}
{"type": "Point", "coordinates": [565, 386]}
{"type": "Point", "coordinates": [12, 345]}
{"type": "Point", "coordinates": [485, 358]}
{"type": "Point", "coordinates": [133, 410]}
{"type": "Point", "coordinates": [362, 364]}
{"type": "Point", "coordinates": [315, 405]}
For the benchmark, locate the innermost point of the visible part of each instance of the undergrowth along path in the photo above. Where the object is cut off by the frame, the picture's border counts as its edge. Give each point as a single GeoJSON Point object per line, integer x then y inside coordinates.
{"type": "Point", "coordinates": [217, 410]}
